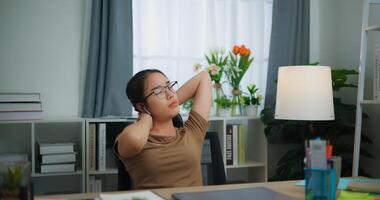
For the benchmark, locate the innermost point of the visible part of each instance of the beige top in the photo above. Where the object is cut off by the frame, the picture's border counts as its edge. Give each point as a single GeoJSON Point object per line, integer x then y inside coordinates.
{"type": "Point", "coordinates": [170, 161]}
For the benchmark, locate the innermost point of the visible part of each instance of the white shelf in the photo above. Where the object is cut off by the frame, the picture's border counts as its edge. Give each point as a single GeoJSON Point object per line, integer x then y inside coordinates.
{"type": "Point", "coordinates": [367, 102]}
{"type": "Point", "coordinates": [107, 171]}
{"type": "Point", "coordinates": [248, 164]}
{"type": "Point", "coordinates": [372, 28]}
{"type": "Point", "coordinates": [78, 172]}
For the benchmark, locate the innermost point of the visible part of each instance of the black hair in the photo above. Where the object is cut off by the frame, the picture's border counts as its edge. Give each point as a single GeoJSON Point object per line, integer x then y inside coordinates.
{"type": "Point", "coordinates": [136, 87]}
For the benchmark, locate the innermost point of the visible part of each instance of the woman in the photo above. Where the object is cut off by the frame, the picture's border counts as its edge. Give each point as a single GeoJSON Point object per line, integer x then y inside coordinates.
{"type": "Point", "coordinates": [154, 152]}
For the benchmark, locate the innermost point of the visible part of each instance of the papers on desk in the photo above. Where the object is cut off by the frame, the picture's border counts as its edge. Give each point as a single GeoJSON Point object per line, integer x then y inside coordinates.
{"type": "Point", "coordinates": [145, 195]}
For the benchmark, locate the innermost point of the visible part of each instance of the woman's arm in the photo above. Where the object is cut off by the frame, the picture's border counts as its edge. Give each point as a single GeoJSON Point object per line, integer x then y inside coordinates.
{"type": "Point", "coordinates": [134, 137]}
{"type": "Point", "coordinates": [198, 87]}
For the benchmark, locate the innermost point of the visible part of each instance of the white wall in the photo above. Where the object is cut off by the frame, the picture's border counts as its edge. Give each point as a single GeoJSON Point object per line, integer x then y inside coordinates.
{"type": "Point", "coordinates": [43, 50]}
{"type": "Point", "coordinates": [335, 33]}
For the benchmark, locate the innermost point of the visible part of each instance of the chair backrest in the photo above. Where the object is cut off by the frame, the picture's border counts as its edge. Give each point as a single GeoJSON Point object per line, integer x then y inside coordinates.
{"type": "Point", "coordinates": [214, 172]}
{"type": "Point", "coordinates": [124, 181]}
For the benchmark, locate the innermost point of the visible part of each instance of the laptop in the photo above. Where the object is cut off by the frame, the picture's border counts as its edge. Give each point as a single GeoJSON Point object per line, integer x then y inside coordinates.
{"type": "Point", "coordinates": [241, 194]}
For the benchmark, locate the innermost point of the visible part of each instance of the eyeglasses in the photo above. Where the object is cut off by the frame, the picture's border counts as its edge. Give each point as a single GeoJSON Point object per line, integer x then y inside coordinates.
{"type": "Point", "coordinates": [160, 90]}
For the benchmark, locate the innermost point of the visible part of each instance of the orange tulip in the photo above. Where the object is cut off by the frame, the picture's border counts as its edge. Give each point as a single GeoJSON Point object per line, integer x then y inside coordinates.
{"type": "Point", "coordinates": [243, 51]}
{"type": "Point", "coordinates": [248, 52]}
{"type": "Point", "coordinates": [235, 49]}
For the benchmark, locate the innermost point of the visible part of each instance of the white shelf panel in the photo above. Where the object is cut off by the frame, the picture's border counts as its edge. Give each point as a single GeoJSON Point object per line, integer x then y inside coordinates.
{"type": "Point", "coordinates": [246, 165]}
{"type": "Point", "coordinates": [107, 171]}
{"type": "Point", "coordinates": [78, 172]}
{"type": "Point", "coordinates": [372, 28]}
{"type": "Point", "coordinates": [367, 102]}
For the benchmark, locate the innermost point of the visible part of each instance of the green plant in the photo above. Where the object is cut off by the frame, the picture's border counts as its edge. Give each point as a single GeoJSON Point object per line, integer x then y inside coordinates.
{"type": "Point", "coordinates": [224, 102]}
{"type": "Point", "coordinates": [253, 98]}
{"type": "Point", "coordinates": [340, 132]}
{"type": "Point", "coordinates": [188, 104]}
{"type": "Point", "coordinates": [13, 176]}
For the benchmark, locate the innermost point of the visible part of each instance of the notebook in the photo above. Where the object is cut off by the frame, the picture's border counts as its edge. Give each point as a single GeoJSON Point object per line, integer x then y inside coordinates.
{"type": "Point", "coordinates": [241, 194]}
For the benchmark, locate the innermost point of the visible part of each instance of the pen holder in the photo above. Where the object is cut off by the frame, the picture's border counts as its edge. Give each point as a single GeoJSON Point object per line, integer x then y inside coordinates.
{"type": "Point", "coordinates": [320, 184]}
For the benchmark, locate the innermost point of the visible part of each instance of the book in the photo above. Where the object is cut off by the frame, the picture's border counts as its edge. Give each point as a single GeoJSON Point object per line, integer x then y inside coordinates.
{"type": "Point", "coordinates": [92, 146]}
{"type": "Point", "coordinates": [19, 107]}
{"type": "Point", "coordinates": [242, 144]}
{"type": "Point", "coordinates": [58, 158]}
{"type": "Point", "coordinates": [131, 195]}
{"type": "Point", "coordinates": [101, 146]}
{"type": "Point", "coordinates": [19, 97]}
{"type": "Point", "coordinates": [56, 148]}
{"type": "Point", "coordinates": [33, 115]}
{"type": "Point", "coordinates": [229, 154]}
{"type": "Point", "coordinates": [53, 168]}
{"type": "Point", "coordinates": [235, 135]}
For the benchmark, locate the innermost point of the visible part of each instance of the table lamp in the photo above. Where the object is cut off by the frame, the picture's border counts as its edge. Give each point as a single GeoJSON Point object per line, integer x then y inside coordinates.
{"type": "Point", "coordinates": [304, 93]}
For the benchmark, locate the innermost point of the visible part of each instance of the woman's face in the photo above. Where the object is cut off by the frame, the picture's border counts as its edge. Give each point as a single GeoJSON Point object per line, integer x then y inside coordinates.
{"type": "Point", "coordinates": [162, 101]}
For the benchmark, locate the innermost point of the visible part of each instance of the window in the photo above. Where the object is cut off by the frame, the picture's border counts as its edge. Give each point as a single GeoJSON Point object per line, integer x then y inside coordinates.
{"type": "Point", "coordinates": [173, 35]}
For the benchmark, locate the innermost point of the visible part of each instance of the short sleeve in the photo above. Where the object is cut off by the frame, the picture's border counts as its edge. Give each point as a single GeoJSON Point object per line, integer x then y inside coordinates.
{"type": "Point", "coordinates": [196, 123]}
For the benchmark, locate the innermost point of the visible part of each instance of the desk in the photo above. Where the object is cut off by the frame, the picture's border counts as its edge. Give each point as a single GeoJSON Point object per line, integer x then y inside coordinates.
{"type": "Point", "coordinates": [284, 187]}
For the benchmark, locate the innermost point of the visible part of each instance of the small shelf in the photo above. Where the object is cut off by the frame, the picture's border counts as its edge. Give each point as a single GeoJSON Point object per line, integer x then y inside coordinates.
{"type": "Point", "coordinates": [78, 172]}
{"type": "Point", "coordinates": [107, 171]}
{"type": "Point", "coordinates": [372, 28]}
{"type": "Point", "coordinates": [367, 102]}
{"type": "Point", "coordinates": [248, 164]}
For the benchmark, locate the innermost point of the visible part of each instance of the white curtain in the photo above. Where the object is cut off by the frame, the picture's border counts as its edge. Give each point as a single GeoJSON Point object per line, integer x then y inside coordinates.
{"type": "Point", "coordinates": [173, 35]}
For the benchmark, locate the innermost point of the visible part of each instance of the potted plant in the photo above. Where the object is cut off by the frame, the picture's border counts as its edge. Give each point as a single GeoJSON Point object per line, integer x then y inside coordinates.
{"type": "Point", "coordinates": [252, 101]}
{"type": "Point", "coordinates": [12, 184]}
{"type": "Point", "coordinates": [225, 105]}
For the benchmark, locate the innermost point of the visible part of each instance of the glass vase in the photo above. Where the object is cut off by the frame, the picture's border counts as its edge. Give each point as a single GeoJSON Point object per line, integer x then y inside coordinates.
{"type": "Point", "coordinates": [237, 107]}
{"type": "Point", "coordinates": [217, 93]}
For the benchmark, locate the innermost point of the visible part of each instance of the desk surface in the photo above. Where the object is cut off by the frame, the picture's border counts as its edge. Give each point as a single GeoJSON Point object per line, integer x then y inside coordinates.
{"type": "Point", "coordinates": [284, 187]}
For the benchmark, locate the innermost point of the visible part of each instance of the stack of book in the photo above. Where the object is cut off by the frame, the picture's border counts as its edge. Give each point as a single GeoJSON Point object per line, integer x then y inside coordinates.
{"type": "Point", "coordinates": [20, 106]}
{"type": "Point", "coordinates": [57, 157]}
{"type": "Point", "coordinates": [235, 144]}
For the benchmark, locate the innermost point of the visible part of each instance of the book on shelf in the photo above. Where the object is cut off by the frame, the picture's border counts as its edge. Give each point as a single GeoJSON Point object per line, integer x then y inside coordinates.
{"type": "Point", "coordinates": [101, 150]}
{"type": "Point", "coordinates": [20, 106]}
{"type": "Point", "coordinates": [54, 168]}
{"type": "Point", "coordinates": [56, 148]}
{"type": "Point", "coordinates": [235, 144]}
{"type": "Point", "coordinates": [58, 158]}
{"type": "Point", "coordinates": [22, 115]}
{"type": "Point", "coordinates": [242, 144]}
{"type": "Point", "coordinates": [92, 146]}
{"type": "Point", "coordinates": [235, 135]}
{"type": "Point", "coordinates": [229, 145]}
{"type": "Point", "coordinates": [20, 97]}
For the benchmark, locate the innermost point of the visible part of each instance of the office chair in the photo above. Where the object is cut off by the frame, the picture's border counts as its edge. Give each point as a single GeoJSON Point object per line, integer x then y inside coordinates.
{"type": "Point", "coordinates": [124, 181]}
{"type": "Point", "coordinates": [217, 176]}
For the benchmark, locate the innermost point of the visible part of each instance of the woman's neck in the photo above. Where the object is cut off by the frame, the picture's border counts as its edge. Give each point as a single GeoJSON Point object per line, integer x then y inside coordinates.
{"type": "Point", "coordinates": [163, 128]}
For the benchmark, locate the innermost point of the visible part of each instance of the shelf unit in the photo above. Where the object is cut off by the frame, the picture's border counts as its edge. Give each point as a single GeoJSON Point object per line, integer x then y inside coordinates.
{"type": "Point", "coordinates": [108, 177]}
{"type": "Point", "coordinates": [22, 137]}
{"type": "Point", "coordinates": [366, 29]}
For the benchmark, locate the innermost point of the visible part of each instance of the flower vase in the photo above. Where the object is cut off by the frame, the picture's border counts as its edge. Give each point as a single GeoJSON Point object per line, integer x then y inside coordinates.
{"type": "Point", "coordinates": [217, 92]}
{"type": "Point", "coordinates": [236, 108]}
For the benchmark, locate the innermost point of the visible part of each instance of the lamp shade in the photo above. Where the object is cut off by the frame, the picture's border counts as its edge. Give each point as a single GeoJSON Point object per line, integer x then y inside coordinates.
{"type": "Point", "coordinates": [304, 93]}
